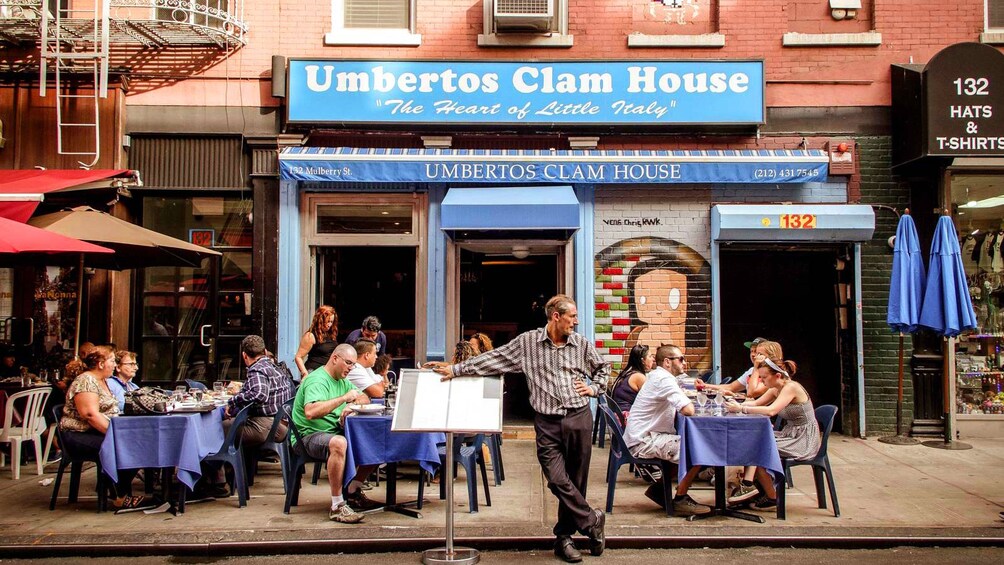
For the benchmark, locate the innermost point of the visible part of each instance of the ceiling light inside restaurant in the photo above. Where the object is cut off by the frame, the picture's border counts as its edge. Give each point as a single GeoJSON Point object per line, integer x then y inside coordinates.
{"type": "Point", "coordinates": [985, 203]}
{"type": "Point", "coordinates": [520, 251]}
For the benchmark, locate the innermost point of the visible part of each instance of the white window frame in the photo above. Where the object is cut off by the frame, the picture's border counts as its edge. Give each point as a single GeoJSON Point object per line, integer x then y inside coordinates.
{"type": "Point", "coordinates": [558, 38]}
{"type": "Point", "coordinates": [340, 35]}
{"type": "Point", "coordinates": [990, 35]}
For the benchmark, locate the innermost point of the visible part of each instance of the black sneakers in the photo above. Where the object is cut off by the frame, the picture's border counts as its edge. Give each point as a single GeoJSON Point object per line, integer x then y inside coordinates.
{"type": "Point", "coordinates": [764, 503]}
{"type": "Point", "coordinates": [361, 502]}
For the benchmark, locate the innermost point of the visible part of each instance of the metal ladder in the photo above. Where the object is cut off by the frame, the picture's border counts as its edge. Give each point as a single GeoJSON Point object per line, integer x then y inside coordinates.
{"type": "Point", "coordinates": [69, 50]}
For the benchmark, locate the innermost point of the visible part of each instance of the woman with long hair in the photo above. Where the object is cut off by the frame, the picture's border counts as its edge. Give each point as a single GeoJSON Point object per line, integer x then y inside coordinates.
{"type": "Point", "coordinates": [628, 382]}
{"type": "Point", "coordinates": [798, 438]}
{"type": "Point", "coordinates": [317, 342]}
{"type": "Point", "coordinates": [481, 343]}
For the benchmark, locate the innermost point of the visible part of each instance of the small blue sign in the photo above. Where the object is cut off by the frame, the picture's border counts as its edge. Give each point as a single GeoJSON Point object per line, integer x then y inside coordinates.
{"type": "Point", "coordinates": [650, 93]}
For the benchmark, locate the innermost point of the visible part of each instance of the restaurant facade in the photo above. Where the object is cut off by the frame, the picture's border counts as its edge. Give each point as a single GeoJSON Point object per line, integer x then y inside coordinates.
{"type": "Point", "coordinates": [692, 172]}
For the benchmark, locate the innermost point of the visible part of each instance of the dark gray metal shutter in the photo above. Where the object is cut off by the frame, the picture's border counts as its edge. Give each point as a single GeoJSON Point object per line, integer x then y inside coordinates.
{"type": "Point", "coordinates": [189, 161]}
{"type": "Point", "coordinates": [995, 14]}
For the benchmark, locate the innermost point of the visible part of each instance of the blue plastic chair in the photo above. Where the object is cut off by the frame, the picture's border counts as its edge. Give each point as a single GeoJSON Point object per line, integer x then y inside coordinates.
{"type": "Point", "coordinates": [825, 415]}
{"type": "Point", "coordinates": [75, 461]}
{"type": "Point", "coordinates": [195, 385]}
{"type": "Point", "coordinates": [232, 453]}
{"type": "Point", "coordinates": [620, 456]}
{"type": "Point", "coordinates": [298, 459]}
{"type": "Point", "coordinates": [494, 442]}
{"type": "Point", "coordinates": [467, 451]}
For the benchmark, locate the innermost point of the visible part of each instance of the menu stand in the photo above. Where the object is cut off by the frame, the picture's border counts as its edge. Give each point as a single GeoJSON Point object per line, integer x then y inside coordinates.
{"type": "Point", "coordinates": [450, 554]}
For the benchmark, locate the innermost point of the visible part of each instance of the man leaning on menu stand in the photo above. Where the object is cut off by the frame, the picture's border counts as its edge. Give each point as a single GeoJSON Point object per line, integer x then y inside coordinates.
{"type": "Point", "coordinates": [556, 361]}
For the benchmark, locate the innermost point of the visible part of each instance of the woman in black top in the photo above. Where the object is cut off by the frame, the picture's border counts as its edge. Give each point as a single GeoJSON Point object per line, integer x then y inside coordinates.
{"type": "Point", "coordinates": [318, 342]}
{"type": "Point", "coordinates": [629, 380]}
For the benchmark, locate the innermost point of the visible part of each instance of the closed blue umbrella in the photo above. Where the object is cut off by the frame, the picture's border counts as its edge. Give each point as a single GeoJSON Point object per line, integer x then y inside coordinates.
{"type": "Point", "coordinates": [947, 309]}
{"type": "Point", "coordinates": [906, 288]}
{"type": "Point", "coordinates": [906, 291]}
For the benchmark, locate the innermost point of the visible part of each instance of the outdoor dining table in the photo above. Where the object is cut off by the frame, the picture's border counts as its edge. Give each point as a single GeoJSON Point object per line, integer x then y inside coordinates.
{"type": "Point", "coordinates": [371, 442]}
{"type": "Point", "coordinates": [163, 441]}
{"type": "Point", "coordinates": [718, 441]}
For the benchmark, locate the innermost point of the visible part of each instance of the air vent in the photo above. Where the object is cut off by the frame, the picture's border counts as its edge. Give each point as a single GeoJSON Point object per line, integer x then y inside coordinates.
{"type": "Point", "coordinates": [524, 16]}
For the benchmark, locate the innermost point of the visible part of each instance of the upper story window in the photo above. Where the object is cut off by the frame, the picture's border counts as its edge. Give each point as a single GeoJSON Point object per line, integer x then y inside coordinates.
{"type": "Point", "coordinates": [372, 22]}
{"type": "Point", "coordinates": [995, 14]}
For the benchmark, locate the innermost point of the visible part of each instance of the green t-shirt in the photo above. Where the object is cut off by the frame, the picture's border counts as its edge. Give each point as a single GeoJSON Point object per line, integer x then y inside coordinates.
{"type": "Point", "coordinates": [318, 386]}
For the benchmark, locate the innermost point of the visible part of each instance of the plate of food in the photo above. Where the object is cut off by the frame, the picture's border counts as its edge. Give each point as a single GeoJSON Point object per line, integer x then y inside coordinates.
{"type": "Point", "coordinates": [367, 408]}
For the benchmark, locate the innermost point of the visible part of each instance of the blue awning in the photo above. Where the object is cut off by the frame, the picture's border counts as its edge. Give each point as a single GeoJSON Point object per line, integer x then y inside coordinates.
{"type": "Point", "coordinates": [510, 208]}
{"type": "Point", "coordinates": [792, 222]}
{"type": "Point", "coordinates": [517, 166]}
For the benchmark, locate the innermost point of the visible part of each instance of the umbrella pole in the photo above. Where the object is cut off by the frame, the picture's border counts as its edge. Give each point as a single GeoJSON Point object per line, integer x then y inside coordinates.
{"type": "Point", "coordinates": [900, 438]}
{"type": "Point", "coordinates": [948, 442]}
{"type": "Point", "coordinates": [80, 298]}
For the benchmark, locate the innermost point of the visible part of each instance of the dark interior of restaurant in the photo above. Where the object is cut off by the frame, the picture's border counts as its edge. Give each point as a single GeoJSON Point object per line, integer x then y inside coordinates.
{"type": "Point", "coordinates": [789, 295]}
{"type": "Point", "coordinates": [502, 296]}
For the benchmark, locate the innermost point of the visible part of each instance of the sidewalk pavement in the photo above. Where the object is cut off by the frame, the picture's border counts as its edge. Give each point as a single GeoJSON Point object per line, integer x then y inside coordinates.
{"type": "Point", "coordinates": [885, 491]}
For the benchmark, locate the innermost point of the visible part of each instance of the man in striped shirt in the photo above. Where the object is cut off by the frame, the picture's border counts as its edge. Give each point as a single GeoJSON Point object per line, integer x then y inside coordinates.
{"type": "Point", "coordinates": [556, 361]}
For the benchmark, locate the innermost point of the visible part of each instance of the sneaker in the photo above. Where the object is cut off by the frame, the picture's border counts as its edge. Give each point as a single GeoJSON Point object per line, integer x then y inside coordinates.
{"type": "Point", "coordinates": [345, 515]}
{"type": "Point", "coordinates": [656, 494]}
{"type": "Point", "coordinates": [764, 503]}
{"type": "Point", "coordinates": [687, 506]}
{"type": "Point", "coordinates": [743, 493]}
{"type": "Point", "coordinates": [362, 502]}
{"type": "Point", "coordinates": [650, 474]}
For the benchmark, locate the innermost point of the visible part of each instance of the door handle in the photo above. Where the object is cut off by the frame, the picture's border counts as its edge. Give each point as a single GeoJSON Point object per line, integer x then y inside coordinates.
{"type": "Point", "coordinates": [31, 332]}
{"type": "Point", "coordinates": [202, 335]}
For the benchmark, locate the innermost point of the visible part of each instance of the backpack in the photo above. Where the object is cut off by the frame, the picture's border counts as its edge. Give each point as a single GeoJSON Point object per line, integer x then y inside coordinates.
{"type": "Point", "coordinates": [146, 400]}
{"type": "Point", "coordinates": [285, 370]}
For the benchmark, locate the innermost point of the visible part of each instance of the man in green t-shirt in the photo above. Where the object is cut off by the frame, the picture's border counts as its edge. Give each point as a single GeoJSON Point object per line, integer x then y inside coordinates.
{"type": "Point", "coordinates": [317, 412]}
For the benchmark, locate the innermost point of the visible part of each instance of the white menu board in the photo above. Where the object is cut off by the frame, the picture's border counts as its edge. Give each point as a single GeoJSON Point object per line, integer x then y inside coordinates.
{"type": "Point", "coordinates": [426, 403]}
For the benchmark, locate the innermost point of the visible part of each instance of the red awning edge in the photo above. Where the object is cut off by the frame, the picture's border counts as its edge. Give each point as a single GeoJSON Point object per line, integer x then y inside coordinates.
{"type": "Point", "coordinates": [22, 189]}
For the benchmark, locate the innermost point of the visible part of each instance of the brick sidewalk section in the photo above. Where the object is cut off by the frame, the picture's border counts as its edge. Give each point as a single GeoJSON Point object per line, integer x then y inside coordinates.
{"type": "Point", "coordinates": [891, 493]}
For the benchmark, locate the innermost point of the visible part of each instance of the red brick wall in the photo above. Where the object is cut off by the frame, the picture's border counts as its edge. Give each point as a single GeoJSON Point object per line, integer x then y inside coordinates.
{"type": "Point", "coordinates": [797, 76]}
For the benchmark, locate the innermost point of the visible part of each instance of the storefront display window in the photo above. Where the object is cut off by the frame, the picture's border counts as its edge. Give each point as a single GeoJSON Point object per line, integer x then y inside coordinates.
{"type": "Point", "coordinates": [978, 202]}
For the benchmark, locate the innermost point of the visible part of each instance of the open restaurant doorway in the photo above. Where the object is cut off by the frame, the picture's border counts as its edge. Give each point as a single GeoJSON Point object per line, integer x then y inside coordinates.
{"type": "Point", "coordinates": [503, 295]}
{"type": "Point", "coordinates": [372, 281]}
{"type": "Point", "coordinates": [799, 296]}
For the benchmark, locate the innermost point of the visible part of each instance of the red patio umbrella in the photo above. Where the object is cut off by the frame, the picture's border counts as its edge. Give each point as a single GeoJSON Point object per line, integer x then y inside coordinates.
{"type": "Point", "coordinates": [24, 244]}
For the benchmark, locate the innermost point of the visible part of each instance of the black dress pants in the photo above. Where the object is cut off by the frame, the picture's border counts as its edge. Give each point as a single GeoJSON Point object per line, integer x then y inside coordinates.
{"type": "Point", "coordinates": [564, 447]}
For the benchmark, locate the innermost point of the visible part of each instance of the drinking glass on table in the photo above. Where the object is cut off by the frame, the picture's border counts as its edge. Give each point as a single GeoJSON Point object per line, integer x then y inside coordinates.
{"type": "Point", "coordinates": [218, 388]}
{"type": "Point", "coordinates": [719, 400]}
{"type": "Point", "coordinates": [198, 395]}
{"type": "Point", "coordinates": [702, 402]}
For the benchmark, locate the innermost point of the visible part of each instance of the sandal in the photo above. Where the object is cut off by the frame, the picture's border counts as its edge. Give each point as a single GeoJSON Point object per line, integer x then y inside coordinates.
{"type": "Point", "coordinates": [130, 502]}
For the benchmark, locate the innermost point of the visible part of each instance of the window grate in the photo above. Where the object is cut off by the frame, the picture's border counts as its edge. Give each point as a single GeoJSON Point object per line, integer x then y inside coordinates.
{"type": "Point", "coordinates": [378, 14]}
{"type": "Point", "coordinates": [523, 7]}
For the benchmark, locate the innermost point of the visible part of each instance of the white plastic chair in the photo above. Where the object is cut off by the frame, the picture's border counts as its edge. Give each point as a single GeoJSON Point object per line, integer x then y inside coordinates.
{"type": "Point", "coordinates": [31, 428]}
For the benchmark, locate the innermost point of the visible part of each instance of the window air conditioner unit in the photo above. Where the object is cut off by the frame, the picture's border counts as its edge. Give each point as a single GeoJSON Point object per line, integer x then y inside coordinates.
{"type": "Point", "coordinates": [524, 16]}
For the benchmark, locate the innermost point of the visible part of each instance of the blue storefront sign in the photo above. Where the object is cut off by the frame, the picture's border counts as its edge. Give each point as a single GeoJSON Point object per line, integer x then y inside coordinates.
{"type": "Point", "coordinates": [649, 93]}
{"type": "Point", "coordinates": [341, 164]}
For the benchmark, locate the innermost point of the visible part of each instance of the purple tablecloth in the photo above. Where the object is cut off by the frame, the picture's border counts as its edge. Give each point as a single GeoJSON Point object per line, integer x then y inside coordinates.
{"type": "Point", "coordinates": [718, 441]}
{"type": "Point", "coordinates": [174, 440]}
{"type": "Point", "coordinates": [371, 442]}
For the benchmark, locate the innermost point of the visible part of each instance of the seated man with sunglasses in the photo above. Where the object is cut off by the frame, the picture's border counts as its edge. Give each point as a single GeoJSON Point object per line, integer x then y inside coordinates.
{"type": "Point", "coordinates": [651, 427]}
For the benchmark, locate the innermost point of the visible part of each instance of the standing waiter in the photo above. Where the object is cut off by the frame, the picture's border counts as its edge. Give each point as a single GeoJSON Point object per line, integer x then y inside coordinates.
{"type": "Point", "coordinates": [556, 362]}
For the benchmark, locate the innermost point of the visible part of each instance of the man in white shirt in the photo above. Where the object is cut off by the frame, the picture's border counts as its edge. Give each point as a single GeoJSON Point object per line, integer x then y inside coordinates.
{"type": "Point", "coordinates": [362, 375]}
{"type": "Point", "coordinates": [651, 427]}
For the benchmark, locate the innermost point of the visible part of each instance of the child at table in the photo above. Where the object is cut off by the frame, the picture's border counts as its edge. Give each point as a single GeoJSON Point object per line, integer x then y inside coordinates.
{"type": "Point", "coordinates": [798, 439]}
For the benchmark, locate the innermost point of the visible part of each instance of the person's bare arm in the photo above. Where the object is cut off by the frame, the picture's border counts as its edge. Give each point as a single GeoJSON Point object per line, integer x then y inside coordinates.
{"type": "Point", "coordinates": [86, 404]}
{"type": "Point", "coordinates": [316, 410]}
{"type": "Point", "coordinates": [306, 342]}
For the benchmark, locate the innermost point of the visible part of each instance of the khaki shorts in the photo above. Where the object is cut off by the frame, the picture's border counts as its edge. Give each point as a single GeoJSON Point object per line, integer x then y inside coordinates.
{"type": "Point", "coordinates": [658, 446]}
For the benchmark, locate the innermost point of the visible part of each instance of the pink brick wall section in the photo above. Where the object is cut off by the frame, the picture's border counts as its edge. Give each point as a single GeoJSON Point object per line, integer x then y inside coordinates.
{"type": "Point", "coordinates": [753, 30]}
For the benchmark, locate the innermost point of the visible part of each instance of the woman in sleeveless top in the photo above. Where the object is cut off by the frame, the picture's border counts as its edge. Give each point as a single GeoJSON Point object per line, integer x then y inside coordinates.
{"type": "Point", "coordinates": [628, 382]}
{"type": "Point", "coordinates": [318, 342]}
{"type": "Point", "coordinates": [798, 438]}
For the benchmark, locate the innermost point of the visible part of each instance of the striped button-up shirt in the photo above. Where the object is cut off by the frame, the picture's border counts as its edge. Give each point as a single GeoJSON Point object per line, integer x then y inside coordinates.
{"type": "Point", "coordinates": [266, 388]}
{"type": "Point", "coordinates": [550, 370]}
